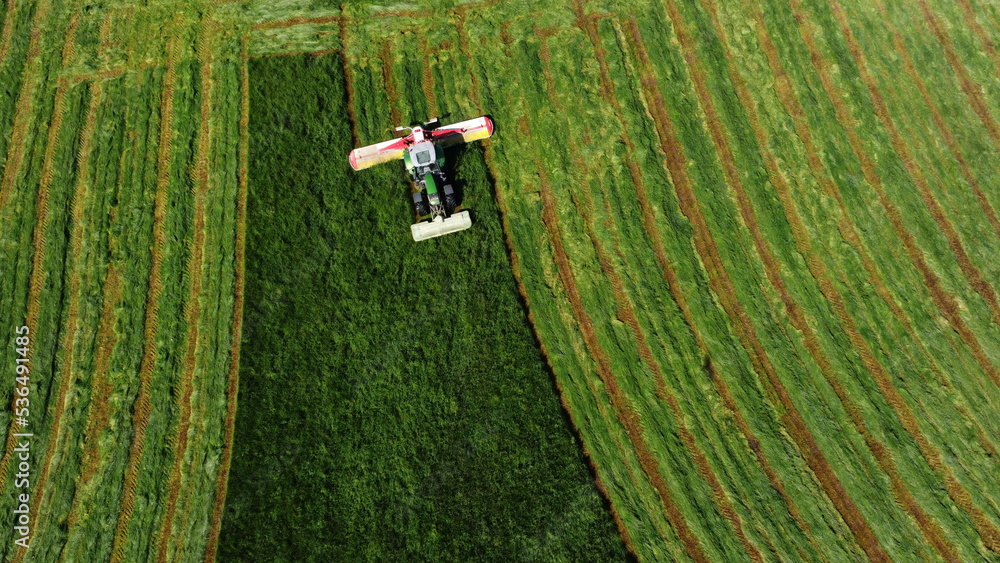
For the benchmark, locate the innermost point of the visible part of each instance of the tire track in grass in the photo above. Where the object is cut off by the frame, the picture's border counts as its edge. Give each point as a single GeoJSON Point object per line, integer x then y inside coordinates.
{"type": "Point", "coordinates": [989, 533]}
{"type": "Point", "coordinates": [69, 331]}
{"type": "Point", "coordinates": [23, 119]}
{"type": "Point", "coordinates": [389, 83]}
{"type": "Point", "coordinates": [427, 77]}
{"type": "Point", "coordinates": [673, 285]}
{"type": "Point", "coordinates": [942, 126]}
{"type": "Point", "coordinates": [348, 80]}
{"type": "Point", "coordinates": [624, 413]}
{"type": "Point", "coordinates": [516, 268]}
{"type": "Point", "coordinates": [970, 20]}
{"type": "Point", "coordinates": [194, 272]}
{"type": "Point", "coordinates": [972, 273]}
{"type": "Point", "coordinates": [8, 30]}
{"type": "Point", "coordinates": [790, 101]}
{"type": "Point", "coordinates": [818, 271]}
{"type": "Point", "coordinates": [38, 275]}
{"type": "Point", "coordinates": [722, 285]}
{"type": "Point", "coordinates": [222, 482]}
{"type": "Point", "coordinates": [626, 312]}
{"type": "Point", "coordinates": [143, 406]}
{"type": "Point", "coordinates": [971, 89]}
{"type": "Point", "coordinates": [945, 302]}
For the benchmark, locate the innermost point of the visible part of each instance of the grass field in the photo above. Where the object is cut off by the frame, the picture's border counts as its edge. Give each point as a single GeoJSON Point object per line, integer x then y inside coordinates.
{"type": "Point", "coordinates": [756, 243]}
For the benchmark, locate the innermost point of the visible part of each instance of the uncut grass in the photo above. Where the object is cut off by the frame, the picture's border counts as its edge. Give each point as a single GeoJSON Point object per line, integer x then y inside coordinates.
{"type": "Point", "coordinates": [388, 416]}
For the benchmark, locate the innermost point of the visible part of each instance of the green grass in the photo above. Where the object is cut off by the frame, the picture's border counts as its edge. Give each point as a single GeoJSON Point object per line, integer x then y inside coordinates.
{"type": "Point", "coordinates": [394, 404]}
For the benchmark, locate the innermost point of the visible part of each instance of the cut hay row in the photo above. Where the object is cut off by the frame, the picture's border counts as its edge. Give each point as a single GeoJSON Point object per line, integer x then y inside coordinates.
{"type": "Point", "coordinates": [945, 302]}
{"type": "Point", "coordinates": [69, 331]}
{"type": "Point", "coordinates": [427, 76]}
{"type": "Point", "coordinates": [23, 117]}
{"type": "Point", "coordinates": [389, 82]}
{"type": "Point", "coordinates": [943, 129]}
{"type": "Point", "coordinates": [986, 529]}
{"type": "Point", "coordinates": [723, 287]}
{"type": "Point", "coordinates": [194, 273]}
{"type": "Point", "coordinates": [8, 30]}
{"type": "Point", "coordinates": [140, 418]}
{"type": "Point", "coordinates": [673, 283]}
{"type": "Point", "coordinates": [971, 89]}
{"type": "Point", "coordinates": [969, 16]}
{"type": "Point", "coordinates": [913, 169]}
{"type": "Point", "coordinates": [11, 168]}
{"type": "Point", "coordinates": [218, 508]}
{"type": "Point", "coordinates": [623, 412]}
{"type": "Point", "coordinates": [928, 527]}
{"type": "Point", "coordinates": [790, 102]}
{"type": "Point", "coordinates": [626, 313]}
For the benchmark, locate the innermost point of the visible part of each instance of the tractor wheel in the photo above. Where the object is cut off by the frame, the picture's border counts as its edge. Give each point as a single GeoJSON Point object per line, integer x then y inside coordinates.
{"type": "Point", "coordinates": [450, 203]}
{"type": "Point", "coordinates": [420, 204]}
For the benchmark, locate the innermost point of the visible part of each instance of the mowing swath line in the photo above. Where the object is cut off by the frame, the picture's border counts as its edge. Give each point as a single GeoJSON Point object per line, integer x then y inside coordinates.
{"type": "Point", "coordinates": [723, 287]}
{"type": "Point", "coordinates": [817, 269]}
{"type": "Point", "coordinates": [673, 285]}
{"type": "Point", "coordinates": [943, 128]}
{"type": "Point", "coordinates": [626, 312]}
{"type": "Point", "coordinates": [945, 302]}
{"type": "Point", "coordinates": [349, 82]}
{"type": "Point", "coordinates": [75, 254]}
{"type": "Point", "coordinates": [23, 118]}
{"type": "Point", "coordinates": [192, 309]}
{"type": "Point", "coordinates": [977, 29]}
{"type": "Point", "coordinates": [971, 272]}
{"type": "Point", "coordinates": [428, 77]}
{"type": "Point", "coordinates": [516, 268]}
{"type": "Point", "coordinates": [623, 412]}
{"type": "Point", "coordinates": [37, 280]}
{"type": "Point", "coordinates": [789, 99]}
{"type": "Point", "coordinates": [390, 84]}
{"type": "Point", "coordinates": [989, 532]}
{"type": "Point", "coordinates": [968, 85]}
{"type": "Point", "coordinates": [281, 24]}
{"type": "Point", "coordinates": [232, 390]}
{"type": "Point", "coordinates": [8, 30]}
{"type": "Point", "coordinates": [140, 417]}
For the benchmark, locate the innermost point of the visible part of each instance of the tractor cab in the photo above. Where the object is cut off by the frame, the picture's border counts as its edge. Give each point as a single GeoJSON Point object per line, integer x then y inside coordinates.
{"type": "Point", "coordinates": [421, 154]}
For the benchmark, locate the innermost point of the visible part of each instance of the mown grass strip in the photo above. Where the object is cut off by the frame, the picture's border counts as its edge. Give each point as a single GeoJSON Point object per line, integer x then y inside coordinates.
{"type": "Point", "coordinates": [971, 272]}
{"type": "Point", "coordinates": [232, 390]}
{"type": "Point", "coordinates": [723, 287]}
{"type": "Point", "coordinates": [943, 129]}
{"type": "Point", "coordinates": [8, 30]}
{"type": "Point", "coordinates": [69, 331]}
{"type": "Point", "coordinates": [673, 283]}
{"type": "Point", "coordinates": [946, 303]}
{"type": "Point", "coordinates": [984, 39]}
{"type": "Point", "coordinates": [349, 81]}
{"type": "Point", "coordinates": [192, 309]}
{"type": "Point", "coordinates": [11, 168]}
{"type": "Point", "coordinates": [971, 89]}
{"type": "Point", "coordinates": [389, 83]}
{"type": "Point", "coordinates": [931, 531]}
{"type": "Point", "coordinates": [23, 116]}
{"type": "Point", "coordinates": [623, 411]}
{"type": "Point", "coordinates": [141, 412]}
{"type": "Point", "coordinates": [427, 76]}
